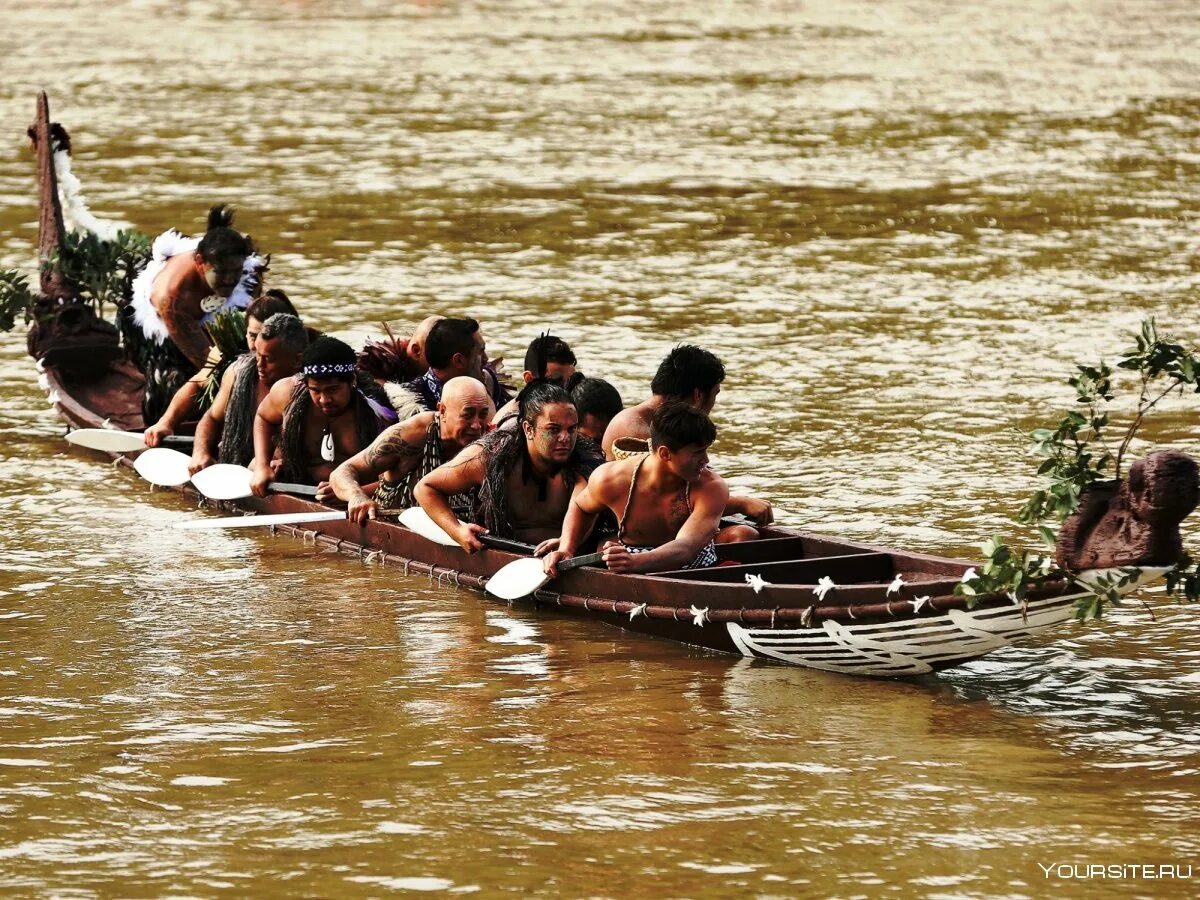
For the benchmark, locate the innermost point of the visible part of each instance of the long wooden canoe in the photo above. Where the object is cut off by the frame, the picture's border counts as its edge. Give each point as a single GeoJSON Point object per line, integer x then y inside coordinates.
{"type": "Point", "coordinates": [765, 602]}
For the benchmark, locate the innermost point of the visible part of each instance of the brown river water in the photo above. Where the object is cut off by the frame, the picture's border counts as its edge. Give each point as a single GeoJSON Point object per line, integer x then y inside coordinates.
{"type": "Point", "coordinates": [899, 223]}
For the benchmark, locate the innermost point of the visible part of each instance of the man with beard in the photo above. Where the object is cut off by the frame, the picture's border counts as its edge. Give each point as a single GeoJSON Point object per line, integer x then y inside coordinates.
{"type": "Point", "coordinates": [523, 478]}
{"type": "Point", "coordinates": [322, 417]}
{"type": "Point", "coordinates": [186, 283]}
{"type": "Point", "coordinates": [407, 452]}
{"type": "Point", "coordinates": [278, 348]}
{"type": "Point", "coordinates": [668, 503]}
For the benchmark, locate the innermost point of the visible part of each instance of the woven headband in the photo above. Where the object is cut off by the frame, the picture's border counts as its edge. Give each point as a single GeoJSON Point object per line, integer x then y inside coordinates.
{"type": "Point", "coordinates": [330, 369]}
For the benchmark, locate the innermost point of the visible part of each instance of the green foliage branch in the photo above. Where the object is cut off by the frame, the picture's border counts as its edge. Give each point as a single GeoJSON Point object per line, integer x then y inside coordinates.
{"type": "Point", "coordinates": [1077, 452]}
{"type": "Point", "coordinates": [102, 270]}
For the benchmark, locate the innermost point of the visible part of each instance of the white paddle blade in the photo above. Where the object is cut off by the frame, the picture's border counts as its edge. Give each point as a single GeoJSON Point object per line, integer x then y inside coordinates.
{"type": "Point", "coordinates": [256, 521]}
{"type": "Point", "coordinates": [107, 439]}
{"type": "Point", "coordinates": [416, 519]}
{"type": "Point", "coordinates": [223, 482]}
{"type": "Point", "coordinates": [519, 578]}
{"type": "Point", "coordinates": [166, 468]}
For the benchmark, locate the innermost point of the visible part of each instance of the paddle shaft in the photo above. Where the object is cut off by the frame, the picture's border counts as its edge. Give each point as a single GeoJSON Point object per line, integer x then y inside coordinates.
{"type": "Point", "coordinates": [282, 487]}
{"type": "Point", "coordinates": [180, 439]}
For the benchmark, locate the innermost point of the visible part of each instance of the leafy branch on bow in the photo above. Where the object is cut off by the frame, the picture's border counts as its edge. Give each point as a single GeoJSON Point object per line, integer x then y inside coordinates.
{"type": "Point", "coordinates": [1075, 453]}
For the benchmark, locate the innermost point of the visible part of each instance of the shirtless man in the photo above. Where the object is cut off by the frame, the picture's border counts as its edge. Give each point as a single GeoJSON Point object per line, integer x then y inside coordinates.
{"type": "Point", "coordinates": [278, 348]}
{"type": "Point", "coordinates": [668, 503]}
{"type": "Point", "coordinates": [322, 417]}
{"type": "Point", "coordinates": [183, 286]}
{"type": "Point", "coordinates": [549, 358]}
{"type": "Point", "coordinates": [693, 376]}
{"type": "Point", "coordinates": [407, 452]}
{"type": "Point", "coordinates": [186, 402]}
{"type": "Point", "coordinates": [524, 478]}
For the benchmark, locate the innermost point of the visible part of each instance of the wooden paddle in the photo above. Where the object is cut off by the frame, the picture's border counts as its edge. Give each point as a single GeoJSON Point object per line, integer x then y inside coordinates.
{"type": "Point", "coordinates": [163, 467]}
{"type": "Point", "coordinates": [228, 482]}
{"type": "Point", "coordinates": [416, 519]}
{"type": "Point", "coordinates": [112, 441]}
{"type": "Point", "coordinates": [258, 521]}
{"type": "Point", "coordinates": [522, 577]}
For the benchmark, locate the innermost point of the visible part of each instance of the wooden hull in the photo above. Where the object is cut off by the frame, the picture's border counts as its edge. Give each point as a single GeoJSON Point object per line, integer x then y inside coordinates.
{"type": "Point", "coordinates": [859, 627]}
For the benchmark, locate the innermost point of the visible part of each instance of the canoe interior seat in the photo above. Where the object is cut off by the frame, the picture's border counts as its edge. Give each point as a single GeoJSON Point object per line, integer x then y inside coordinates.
{"type": "Point", "coordinates": [764, 550]}
{"type": "Point", "coordinates": [855, 568]}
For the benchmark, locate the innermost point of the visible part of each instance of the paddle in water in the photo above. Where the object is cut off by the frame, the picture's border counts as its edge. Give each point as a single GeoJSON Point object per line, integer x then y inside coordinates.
{"type": "Point", "coordinates": [112, 441]}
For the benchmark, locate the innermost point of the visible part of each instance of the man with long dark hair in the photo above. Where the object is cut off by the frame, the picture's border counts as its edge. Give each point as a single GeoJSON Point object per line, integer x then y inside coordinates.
{"type": "Point", "coordinates": [523, 478]}
{"type": "Point", "coordinates": [322, 417]}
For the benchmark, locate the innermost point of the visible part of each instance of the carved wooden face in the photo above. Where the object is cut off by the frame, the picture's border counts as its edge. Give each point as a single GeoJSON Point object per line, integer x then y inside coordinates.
{"type": "Point", "coordinates": [1164, 487]}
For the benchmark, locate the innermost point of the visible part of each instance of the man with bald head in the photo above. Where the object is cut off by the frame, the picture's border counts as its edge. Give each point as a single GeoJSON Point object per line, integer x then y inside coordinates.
{"type": "Point", "coordinates": [416, 344]}
{"type": "Point", "coordinates": [407, 452]}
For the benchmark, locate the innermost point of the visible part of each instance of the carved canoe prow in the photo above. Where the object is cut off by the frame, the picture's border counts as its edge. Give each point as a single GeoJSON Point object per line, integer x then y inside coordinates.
{"type": "Point", "coordinates": [1133, 522]}
{"type": "Point", "coordinates": [51, 231]}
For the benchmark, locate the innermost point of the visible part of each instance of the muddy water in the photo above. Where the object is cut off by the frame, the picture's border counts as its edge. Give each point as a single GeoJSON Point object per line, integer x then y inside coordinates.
{"type": "Point", "coordinates": [900, 224]}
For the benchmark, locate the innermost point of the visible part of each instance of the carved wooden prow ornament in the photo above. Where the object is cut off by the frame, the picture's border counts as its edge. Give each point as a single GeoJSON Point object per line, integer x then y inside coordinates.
{"type": "Point", "coordinates": [1134, 522]}
{"type": "Point", "coordinates": [51, 230]}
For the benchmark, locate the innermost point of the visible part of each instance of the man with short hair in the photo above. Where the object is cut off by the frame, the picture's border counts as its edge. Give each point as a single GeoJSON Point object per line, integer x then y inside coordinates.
{"type": "Point", "coordinates": [691, 375]}
{"type": "Point", "coordinates": [523, 478]}
{"type": "Point", "coordinates": [187, 401]}
{"type": "Point", "coordinates": [322, 417]}
{"type": "Point", "coordinates": [548, 358]}
{"type": "Point", "coordinates": [455, 348]}
{"type": "Point", "coordinates": [408, 451]}
{"type": "Point", "coordinates": [597, 403]}
{"type": "Point", "coordinates": [687, 373]}
{"type": "Point", "coordinates": [668, 502]}
{"type": "Point", "coordinates": [278, 348]}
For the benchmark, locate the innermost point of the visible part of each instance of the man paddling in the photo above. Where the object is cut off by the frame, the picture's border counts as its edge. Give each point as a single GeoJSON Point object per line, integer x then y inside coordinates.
{"type": "Point", "coordinates": [691, 375]}
{"type": "Point", "coordinates": [322, 417]}
{"type": "Point", "coordinates": [408, 451]}
{"type": "Point", "coordinates": [278, 348]}
{"type": "Point", "coordinates": [668, 503]}
{"type": "Point", "coordinates": [523, 478]}
{"type": "Point", "coordinates": [186, 403]}
{"type": "Point", "coordinates": [186, 283]}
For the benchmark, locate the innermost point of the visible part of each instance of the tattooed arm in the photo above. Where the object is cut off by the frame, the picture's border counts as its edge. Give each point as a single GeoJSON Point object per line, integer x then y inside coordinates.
{"type": "Point", "coordinates": [396, 452]}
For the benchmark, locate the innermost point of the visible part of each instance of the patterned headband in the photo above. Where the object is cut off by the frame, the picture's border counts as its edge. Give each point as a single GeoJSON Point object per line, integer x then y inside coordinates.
{"type": "Point", "coordinates": [330, 369]}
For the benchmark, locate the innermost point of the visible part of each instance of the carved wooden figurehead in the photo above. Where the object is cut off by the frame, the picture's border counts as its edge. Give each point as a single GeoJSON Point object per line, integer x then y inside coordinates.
{"type": "Point", "coordinates": [45, 135]}
{"type": "Point", "coordinates": [1133, 522]}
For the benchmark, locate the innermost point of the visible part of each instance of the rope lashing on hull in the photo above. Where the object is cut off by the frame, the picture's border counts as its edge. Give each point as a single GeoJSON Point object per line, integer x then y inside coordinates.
{"type": "Point", "coordinates": [805, 617]}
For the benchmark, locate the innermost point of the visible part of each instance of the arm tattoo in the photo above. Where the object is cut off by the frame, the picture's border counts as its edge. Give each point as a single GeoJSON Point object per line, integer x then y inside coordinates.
{"type": "Point", "coordinates": [388, 452]}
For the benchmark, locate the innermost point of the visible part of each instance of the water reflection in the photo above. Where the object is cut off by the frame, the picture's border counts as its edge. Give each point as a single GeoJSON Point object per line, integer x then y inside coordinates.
{"type": "Point", "coordinates": [900, 225]}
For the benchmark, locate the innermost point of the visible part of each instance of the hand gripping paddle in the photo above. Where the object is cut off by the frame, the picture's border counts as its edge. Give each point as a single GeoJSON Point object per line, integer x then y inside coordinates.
{"type": "Point", "coordinates": [522, 577]}
{"type": "Point", "coordinates": [227, 482]}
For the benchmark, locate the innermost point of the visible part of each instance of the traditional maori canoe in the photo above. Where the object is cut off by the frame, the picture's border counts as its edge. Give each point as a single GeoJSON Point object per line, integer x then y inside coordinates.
{"type": "Point", "coordinates": [889, 612]}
